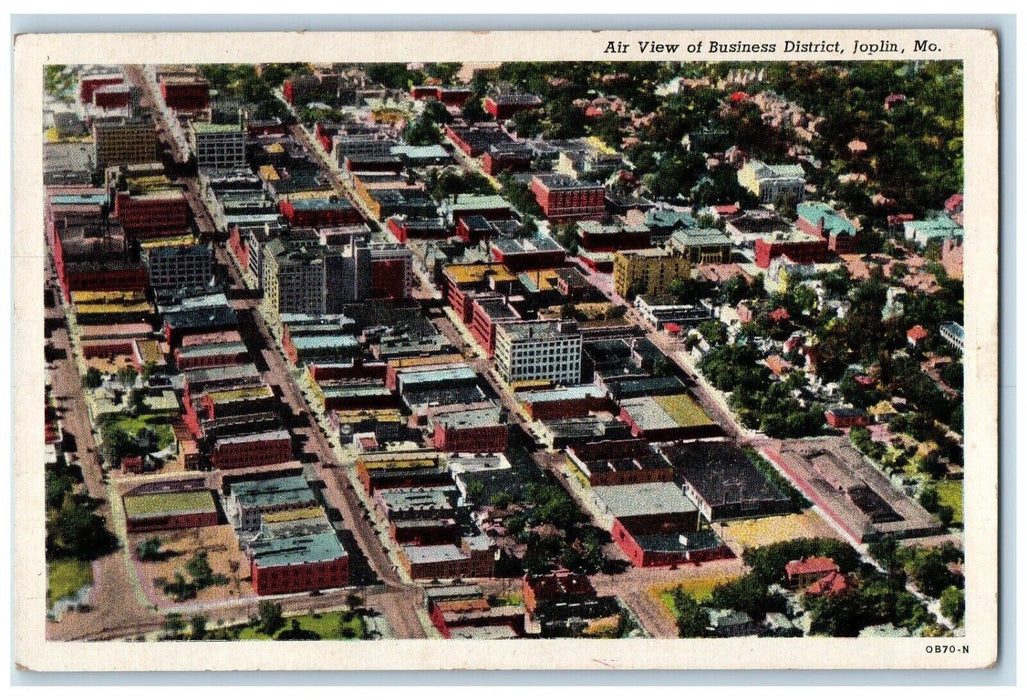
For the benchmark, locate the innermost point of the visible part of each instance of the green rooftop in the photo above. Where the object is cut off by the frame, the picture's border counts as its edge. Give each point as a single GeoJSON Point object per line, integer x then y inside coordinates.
{"type": "Point", "coordinates": [834, 223]}
{"type": "Point", "coordinates": [157, 504]}
{"type": "Point", "coordinates": [683, 410]}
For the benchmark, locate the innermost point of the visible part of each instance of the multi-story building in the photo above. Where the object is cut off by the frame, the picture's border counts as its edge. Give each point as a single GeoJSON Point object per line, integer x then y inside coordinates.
{"type": "Point", "coordinates": [293, 279]}
{"type": "Point", "coordinates": [124, 142]}
{"type": "Point", "coordinates": [392, 271]}
{"type": "Point", "coordinates": [306, 562]}
{"type": "Point", "coordinates": [768, 182]}
{"type": "Point", "coordinates": [179, 266]}
{"type": "Point", "coordinates": [504, 106]}
{"type": "Point", "coordinates": [563, 198]}
{"type": "Point", "coordinates": [185, 92]}
{"type": "Point", "coordinates": [818, 219]}
{"type": "Point", "coordinates": [701, 246]}
{"type": "Point", "coordinates": [218, 146]}
{"type": "Point", "coordinates": [648, 271]}
{"type": "Point", "coordinates": [952, 333]}
{"type": "Point", "coordinates": [798, 246]}
{"type": "Point", "coordinates": [533, 252]}
{"type": "Point", "coordinates": [252, 450]}
{"type": "Point", "coordinates": [475, 428]}
{"type": "Point", "coordinates": [607, 238]}
{"type": "Point", "coordinates": [549, 350]}
{"type": "Point", "coordinates": [247, 501]}
{"type": "Point", "coordinates": [89, 84]}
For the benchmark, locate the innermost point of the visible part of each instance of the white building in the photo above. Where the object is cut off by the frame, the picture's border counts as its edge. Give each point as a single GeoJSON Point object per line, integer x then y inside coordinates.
{"type": "Point", "coordinates": [770, 181]}
{"type": "Point", "coordinates": [527, 350]}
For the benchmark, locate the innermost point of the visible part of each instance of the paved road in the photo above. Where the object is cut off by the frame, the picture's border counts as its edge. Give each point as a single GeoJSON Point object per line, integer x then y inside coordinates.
{"type": "Point", "coordinates": [340, 493]}
{"type": "Point", "coordinates": [114, 604]}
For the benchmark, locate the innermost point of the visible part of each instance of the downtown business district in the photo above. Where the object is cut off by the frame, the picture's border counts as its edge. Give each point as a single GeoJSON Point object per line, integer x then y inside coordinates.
{"type": "Point", "coordinates": [323, 352]}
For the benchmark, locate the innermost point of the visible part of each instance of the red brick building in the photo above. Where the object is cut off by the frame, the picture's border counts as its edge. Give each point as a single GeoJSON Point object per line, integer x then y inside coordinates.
{"type": "Point", "coordinates": [842, 417]}
{"type": "Point", "coordinates": [404, 228]}
{"type": "Point", "coordinates": [505, 106]}
{"type": "Point", "coordinates": [649, 552]}
{"type": "Point", "coordinates": [90, 83]}
{"type": "Point", "coordinates": [152, 214]}
{"type": "Point", "coordinates": [569, 402]}
{"type": "Point", "coordinates": [157, 507]}
{"type": "Point", "coordinates": [185, 94]}
{"type": "Point", "coordinates": [487, 310]}
{"type": "Point", "coordinates": [558, 585]}
{"type": "Point", "coordinates": [536, 252]}
{"type": "Point", "coordinates": [801, 573]}
{"type": "Point", "coordinates": [803, 249]}
{"type": "Point", "coordinates": [297, 564]}
{"type": "Point", "coordinates": [112, 97]}
{"type": "Point", "coordinates": [318, 212]}
{"type": "Point", "coordinates": [425, 532]}
{"type": "Point", "coordinates": [507, 159]}
{"type": "Point", "coordinates": [258, 449]}
{"type": "Point", "coordinates": [476, 428]}
{"type": "Point", "coordinates": [449, 96]}
{"type": "Point", "coordinates": [565, 199]}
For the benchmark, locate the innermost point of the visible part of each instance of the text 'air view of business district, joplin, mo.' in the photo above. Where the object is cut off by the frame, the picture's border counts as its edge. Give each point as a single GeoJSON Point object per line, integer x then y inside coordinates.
{"type": "Point", "coordinates": [493, 351]}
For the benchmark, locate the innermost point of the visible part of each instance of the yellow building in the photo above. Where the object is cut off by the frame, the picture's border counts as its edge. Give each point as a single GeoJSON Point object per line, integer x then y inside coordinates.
{"type": "Point", "coordinates": [122, 143]}
{"type": "Point", "coordinates": [647, 271]}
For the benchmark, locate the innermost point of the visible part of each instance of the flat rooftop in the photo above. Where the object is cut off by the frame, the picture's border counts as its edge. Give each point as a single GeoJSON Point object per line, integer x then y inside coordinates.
{"type": "Point", "coordinates": [285, 490]}
{"type": "Point", "coordinates": [433, 553]}
{"type": "Point", "coordinates": [659, 498]}
{"type": "Point", "coordinates": [720, 472]}
{"type": "Point", "coordinates": [166, 504]}
{"type": "Point", "coordinates": [306, 549]}
{"type": "Point", "coordinates": [661, 412]}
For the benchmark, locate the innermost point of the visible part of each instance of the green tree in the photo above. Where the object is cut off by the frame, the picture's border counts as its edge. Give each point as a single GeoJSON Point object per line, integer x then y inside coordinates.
{"type": "Point", "coordinates": [149, 549]}
{"type": "Point", "coordinates": [473, 111]}
{"type": "Point", "coordinates": [93, 378]}
{"type": "Point", "coordinates": [174, 625]}
{"type": "Point", "coordinates": [715, 332]}
{"type": "Point", "coordinates": [953, 604]}
{"type": "Point", "coordinates": [81, 532]}
{"type": "Point", "coordinates": [692, 619]}
{"type": "Point", "coordinates": [929, 573]}
{"type": "Point", "coordinates": [422, 132]}
{"type": "Point", "coordinates": [270, 615]}
{"type": "Point", "coordinates": [127, 375]}
{"type": "Point", "coordinates": [199, 568]}
{"type": "Point", "coordinates": [198, 625]}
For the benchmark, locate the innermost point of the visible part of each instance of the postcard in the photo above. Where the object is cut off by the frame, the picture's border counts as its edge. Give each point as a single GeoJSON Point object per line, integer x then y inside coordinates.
{"type": "Point", "coordinates": [506, 350]}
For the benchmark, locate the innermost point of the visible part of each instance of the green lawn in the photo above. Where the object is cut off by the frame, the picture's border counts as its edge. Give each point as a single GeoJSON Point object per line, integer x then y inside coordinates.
{"type": "Point", "coordinates": [64, 577]}
{"type": "Point", "coordinates": [326, 625]}
{"type": "Point", "coordinates": [950, 493]}
{"type": "Point", "coordinates": [699, 588]}
{"type": "Point", "coordinates": [132, 425]}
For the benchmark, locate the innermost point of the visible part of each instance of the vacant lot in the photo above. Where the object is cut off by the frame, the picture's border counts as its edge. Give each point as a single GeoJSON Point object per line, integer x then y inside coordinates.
{"type": "Point", "coordinates": [179, 546]}
{"type": "Point", "coordinates": [698, 588]}
{"type": "Point", "coordinates": [779, 528]}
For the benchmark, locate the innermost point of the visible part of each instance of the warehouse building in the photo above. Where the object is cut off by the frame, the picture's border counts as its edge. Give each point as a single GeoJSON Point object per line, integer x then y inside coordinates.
{"type": "Point", "coordinates": [722, 480]}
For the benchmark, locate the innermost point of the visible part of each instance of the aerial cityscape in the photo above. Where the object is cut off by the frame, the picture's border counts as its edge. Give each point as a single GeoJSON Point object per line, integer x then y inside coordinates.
{"type": "Point", "coordinates": [489, 351]}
